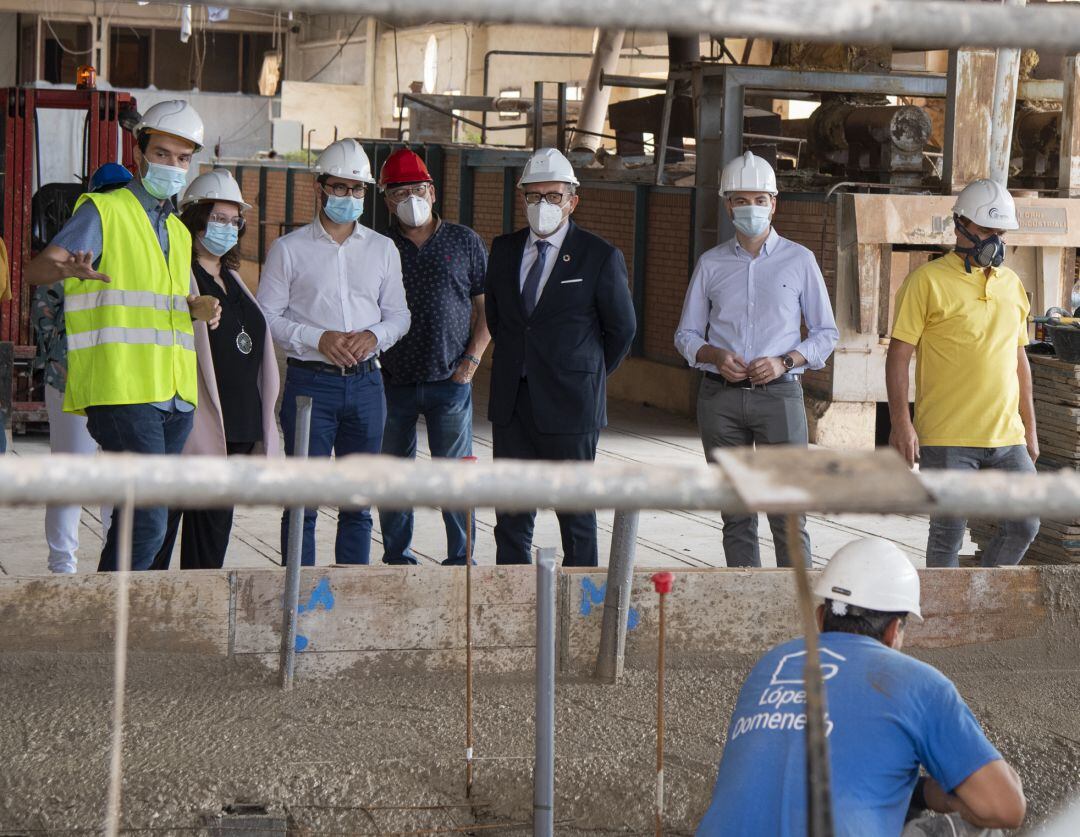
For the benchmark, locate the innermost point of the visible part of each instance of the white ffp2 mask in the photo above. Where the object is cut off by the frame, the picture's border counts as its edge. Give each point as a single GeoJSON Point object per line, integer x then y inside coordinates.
{"type": "Point", "coordinates": [413, 212]}
{"type": "Point", "coordinates": [544, 218]}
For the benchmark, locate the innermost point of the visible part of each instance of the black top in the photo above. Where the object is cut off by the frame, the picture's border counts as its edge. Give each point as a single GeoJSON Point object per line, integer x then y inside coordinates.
{"type": "Point", "coordinates": [237, 374]}
{"type": "Point", "coordinates": [440, 280]}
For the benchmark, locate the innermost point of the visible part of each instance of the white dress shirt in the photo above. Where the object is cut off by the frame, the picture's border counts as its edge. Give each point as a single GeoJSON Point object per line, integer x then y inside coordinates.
{"type": "Point", "coordinates": [551, 255]}
{"type": "Point", "coordinates": [755, 306]}
{"type": "Point", "coordinates": [310, 284]}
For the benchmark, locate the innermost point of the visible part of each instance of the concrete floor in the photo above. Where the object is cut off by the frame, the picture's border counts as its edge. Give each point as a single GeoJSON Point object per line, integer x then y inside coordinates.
{"type": "Point", "coordinates": [635, 434]}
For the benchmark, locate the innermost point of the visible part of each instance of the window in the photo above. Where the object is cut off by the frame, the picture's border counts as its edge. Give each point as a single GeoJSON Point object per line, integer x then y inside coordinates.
{"type": "Point", "coordinates": [67, 46]}
{"type": "Point", "coordinates": [510, 93]}
{"type": "Point", "coordinates": [575, 92]}
{"type": "Point", "coordinates": [129, 57]}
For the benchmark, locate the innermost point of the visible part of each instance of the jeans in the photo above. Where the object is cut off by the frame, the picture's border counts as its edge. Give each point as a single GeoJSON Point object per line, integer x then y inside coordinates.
{"type": "Point", "coordinates": [347, 416]}
{"type": "Point", "coordinates": [447, 409]}
{"type": "Point", "coordinates": [67, 434]}
{"type": "Point", "coordinates": [138, 428]}
{"type": "Point", "coordinates": [947, 533]}
{"type": "Point", "coordinates": [736, 417]}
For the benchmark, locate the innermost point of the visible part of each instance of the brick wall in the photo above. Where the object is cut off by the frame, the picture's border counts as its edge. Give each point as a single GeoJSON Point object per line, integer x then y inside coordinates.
{"type": "Point", "coordinates": [488, 204]}
{"type": "Point", "coordinates": [449, 200]}
{"type": "Point", "coordinates": [667, 271]}
{"type": "Point", "coordinates": [249, 188]}
{"type": "Point", "coordinates": [275, 207]}
{"type": "Point", "coordinates": [609, 213]}
{"type": "Point", "coordinates": [812, 223]}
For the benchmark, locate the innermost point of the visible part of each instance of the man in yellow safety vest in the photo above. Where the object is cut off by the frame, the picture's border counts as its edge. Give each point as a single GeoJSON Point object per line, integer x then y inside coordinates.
{"type": "Point", "coordinates": [125, 261]}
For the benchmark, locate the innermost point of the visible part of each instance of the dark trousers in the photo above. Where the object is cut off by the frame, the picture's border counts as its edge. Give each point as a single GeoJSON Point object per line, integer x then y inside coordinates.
{"type": "Point", "coordinates": [513, 530]}
{"type": "Point", "coordinates": [205, 536]}
{"type": "Point", "coordinates": [347, 416]}
{"type": "Point", "coordinates": [138, 428]}
{"type": "Point", "coordinates": [736, 417]}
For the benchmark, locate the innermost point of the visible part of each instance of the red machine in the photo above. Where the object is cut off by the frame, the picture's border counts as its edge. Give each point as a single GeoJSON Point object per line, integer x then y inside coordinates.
{"type": "Point", "coordinates": [29, 218]}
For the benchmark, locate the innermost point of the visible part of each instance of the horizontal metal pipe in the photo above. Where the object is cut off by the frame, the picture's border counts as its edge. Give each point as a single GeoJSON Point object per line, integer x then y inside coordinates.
{"type": "Point", "coordinates": [208, 482]}
{"type": "Point", "coordinates": [922, 24]}
{"type": "Point", "coordinates": [613, 80]}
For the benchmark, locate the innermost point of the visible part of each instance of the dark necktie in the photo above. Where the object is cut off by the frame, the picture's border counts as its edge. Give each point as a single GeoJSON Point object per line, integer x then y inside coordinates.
{"type": "Point", "coordinates": [532, 279]}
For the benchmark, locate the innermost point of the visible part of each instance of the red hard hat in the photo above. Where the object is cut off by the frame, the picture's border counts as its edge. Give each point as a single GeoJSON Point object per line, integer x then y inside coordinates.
{"type": "Point", "coordinates": [403, 166]}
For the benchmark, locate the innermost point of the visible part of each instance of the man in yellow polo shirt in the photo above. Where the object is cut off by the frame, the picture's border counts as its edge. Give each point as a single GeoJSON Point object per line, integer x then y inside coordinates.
{"type": "Point", "coordinates": [964, 317]}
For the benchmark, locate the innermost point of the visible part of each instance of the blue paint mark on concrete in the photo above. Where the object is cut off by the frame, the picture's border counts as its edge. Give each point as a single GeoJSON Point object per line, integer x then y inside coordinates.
{"type": "Point", "coordinates": [321, 595]}
{"type": "Point", "coordinates": [593, 595]}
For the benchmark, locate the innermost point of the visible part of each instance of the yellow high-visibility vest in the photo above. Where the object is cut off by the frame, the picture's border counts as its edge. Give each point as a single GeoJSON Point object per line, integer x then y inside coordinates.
{"type": "Point", "coordinates": [131, 340]}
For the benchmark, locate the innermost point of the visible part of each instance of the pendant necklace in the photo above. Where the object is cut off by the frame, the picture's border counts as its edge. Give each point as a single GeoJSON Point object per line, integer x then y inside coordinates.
{"type": "Point", "coordinates": [244, 343]}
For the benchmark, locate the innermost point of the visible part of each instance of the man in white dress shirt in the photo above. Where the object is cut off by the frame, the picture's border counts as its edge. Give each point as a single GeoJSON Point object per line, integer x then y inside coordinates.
{"type": "Point", "coordinates": [742, 326]}
{"type": "Point", "coordinates": [333, 298]}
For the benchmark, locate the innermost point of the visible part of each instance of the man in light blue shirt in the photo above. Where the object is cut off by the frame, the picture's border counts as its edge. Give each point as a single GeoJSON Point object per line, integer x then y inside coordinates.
{"type": "Point", "coordinates": [887, 716]}
{"type": "Point", "coordinates": [742, 326]}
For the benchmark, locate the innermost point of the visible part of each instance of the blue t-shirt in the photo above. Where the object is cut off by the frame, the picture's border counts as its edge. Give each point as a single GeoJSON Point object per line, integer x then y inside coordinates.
{"type": "Point", "coordinates": [440, 278]}
{"type": "Point", "coordinates": [887, 715]}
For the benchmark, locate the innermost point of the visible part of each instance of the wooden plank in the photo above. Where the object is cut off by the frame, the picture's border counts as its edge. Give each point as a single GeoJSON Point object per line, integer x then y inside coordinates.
{"type": "Point", "coordinates": [184, 613]}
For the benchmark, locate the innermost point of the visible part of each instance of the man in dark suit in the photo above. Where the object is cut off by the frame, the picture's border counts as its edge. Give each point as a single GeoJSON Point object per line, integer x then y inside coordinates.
{"type": "Point", "coordinates": [559, 310]}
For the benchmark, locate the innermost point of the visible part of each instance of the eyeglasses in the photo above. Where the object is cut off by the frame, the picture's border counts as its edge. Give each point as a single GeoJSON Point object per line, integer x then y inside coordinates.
{"type": "Point", "coordinates": [401, 193]}
{"type": "Point", "coordinates": [554, 198]}
{"type": "Point", "coordinates": [341, 190]}
{"type": "Point", "coordinates": [235, 220]}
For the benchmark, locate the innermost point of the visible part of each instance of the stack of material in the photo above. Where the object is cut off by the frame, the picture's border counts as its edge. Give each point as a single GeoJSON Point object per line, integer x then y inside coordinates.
{"type": "Point", "coordinates": [1056, 387]}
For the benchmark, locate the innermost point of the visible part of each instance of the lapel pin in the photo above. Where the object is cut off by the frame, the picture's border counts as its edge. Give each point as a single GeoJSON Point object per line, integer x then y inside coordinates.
{"type": "Point", "coordinates": [566, 258]}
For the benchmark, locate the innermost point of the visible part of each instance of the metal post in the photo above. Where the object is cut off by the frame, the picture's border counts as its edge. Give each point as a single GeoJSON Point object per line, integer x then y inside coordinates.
{"type": "Point", "coordinates": [292, 558]}
{"type": "Point", "coordinates": [620, 575]}
{"type": "Point", "coordinates": [560, 116]}
{"type": "Point", "coordinates": [662, 582]}
{"type": "Point", "coordinates": [819, 802]}
{"type": "Point", "coordinates": [469, 517]}
{"type": "Point", "coordinates": [125, 519]}
{"type": "Point", "coordinates": [538, 115]}
{"type": "Point", "coordinates": [544, 770]}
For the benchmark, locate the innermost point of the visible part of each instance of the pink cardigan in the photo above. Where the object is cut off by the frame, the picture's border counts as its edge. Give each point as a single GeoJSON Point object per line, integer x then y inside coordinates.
{"type": "Point", "coordinates": [207, 436]}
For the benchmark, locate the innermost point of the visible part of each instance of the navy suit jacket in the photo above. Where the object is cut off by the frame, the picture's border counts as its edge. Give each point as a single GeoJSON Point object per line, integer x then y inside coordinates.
{"type": "Point", "coordinates": [578, 334]}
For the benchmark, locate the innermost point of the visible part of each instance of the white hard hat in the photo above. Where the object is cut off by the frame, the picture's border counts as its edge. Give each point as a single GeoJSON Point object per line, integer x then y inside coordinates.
{"type": "Point", "coordinates": [988, 204]}
{"type": "Point", "coordinates": [216, 185]}
{"type": "Point", "coordinates": [548, 165]}
{"type": "Point", "coordinates": [748, 173]}
{"type": "Point", "coordinates": [176, 118]}
{"type": "Point", "coordinates": [345, 158]}
{"type": "Point", "coordinates": [873, 574]}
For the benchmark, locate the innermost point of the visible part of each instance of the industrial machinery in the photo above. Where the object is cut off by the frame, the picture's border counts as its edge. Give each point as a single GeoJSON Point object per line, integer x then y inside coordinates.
{"type": "Point", "coordinates": [30, 216]}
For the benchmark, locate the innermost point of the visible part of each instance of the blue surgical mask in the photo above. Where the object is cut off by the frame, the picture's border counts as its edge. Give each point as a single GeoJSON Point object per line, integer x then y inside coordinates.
{"type": "Point", "coordinates": [752, 220]}
{"type": "Point", "coordinates": [162, 182]}
{"type": "Point", "coordinates": [343, 210]}
{"type": "Point", "coordinates": [219, 239]}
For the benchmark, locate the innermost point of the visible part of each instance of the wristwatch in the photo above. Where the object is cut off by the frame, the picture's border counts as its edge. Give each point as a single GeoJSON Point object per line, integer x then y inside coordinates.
{"type": "Point", "coordinates": [788, 361]}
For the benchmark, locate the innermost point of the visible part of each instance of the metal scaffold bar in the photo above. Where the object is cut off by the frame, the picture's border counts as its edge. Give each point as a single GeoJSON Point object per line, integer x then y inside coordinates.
{"type": "Point", "coordinates": [918, 24]}
{"type": "Point", "coordinates": [811, 481]}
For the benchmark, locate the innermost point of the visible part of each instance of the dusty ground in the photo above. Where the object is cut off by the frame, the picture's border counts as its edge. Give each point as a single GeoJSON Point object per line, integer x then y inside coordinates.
{"type": "Point", "coordinates": [338, 755]}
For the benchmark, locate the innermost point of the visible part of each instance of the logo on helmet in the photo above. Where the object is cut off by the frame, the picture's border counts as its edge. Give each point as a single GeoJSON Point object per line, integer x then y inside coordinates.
{"type": "Point", "coordinates": [992, 212]}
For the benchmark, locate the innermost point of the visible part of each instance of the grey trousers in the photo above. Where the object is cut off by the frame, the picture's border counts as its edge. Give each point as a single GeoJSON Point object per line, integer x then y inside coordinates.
{"type": "Point", "coordinates": [947, 533]}
{"type": "Point", "coordinates": [731, 417]}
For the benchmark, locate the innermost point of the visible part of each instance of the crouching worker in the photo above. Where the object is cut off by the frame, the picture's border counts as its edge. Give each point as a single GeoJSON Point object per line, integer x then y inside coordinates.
{"type": "Point", "coordinates": [888, 716]}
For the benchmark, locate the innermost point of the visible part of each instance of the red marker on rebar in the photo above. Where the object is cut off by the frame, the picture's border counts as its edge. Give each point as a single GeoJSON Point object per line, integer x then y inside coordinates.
{"type": "Point", "coordinates": [468, 646]}
{"type": "Point", "coordinates": [662, 582]}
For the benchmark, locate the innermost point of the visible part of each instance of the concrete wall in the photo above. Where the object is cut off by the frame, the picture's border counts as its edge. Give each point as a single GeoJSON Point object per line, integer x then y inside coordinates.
{"type": "Point", "coordinates": [391, 617]}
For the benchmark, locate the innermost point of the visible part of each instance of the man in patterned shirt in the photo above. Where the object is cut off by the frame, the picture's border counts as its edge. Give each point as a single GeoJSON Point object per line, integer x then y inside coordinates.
{"type": "Point", "coordinates": [429, 371]}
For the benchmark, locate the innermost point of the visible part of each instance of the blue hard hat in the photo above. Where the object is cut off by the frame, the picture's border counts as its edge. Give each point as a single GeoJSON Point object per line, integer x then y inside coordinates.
{"type": "Point", "coordinates": [110, 174]}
